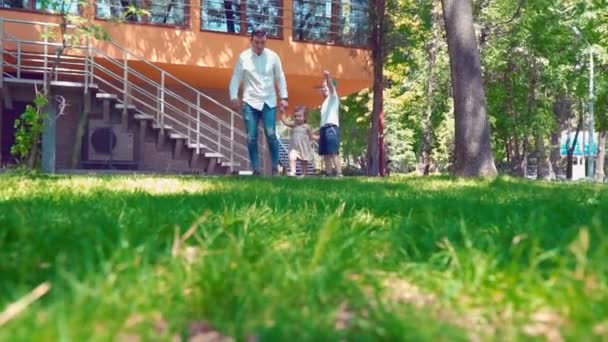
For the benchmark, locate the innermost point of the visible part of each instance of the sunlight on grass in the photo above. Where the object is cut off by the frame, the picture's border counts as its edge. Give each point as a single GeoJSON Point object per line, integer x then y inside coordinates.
{"type": "Point", "coordinates": [22, 188]}
{"type": "Point", "coordinates": [156, 258]}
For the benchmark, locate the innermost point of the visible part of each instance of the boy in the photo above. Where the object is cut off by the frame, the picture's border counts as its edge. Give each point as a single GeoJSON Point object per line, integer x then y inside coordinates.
{"type": "Point", "coordinates": [329, 132]}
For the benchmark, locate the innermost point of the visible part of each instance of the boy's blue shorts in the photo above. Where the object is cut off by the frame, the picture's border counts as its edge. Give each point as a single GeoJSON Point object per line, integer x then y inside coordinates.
{"type": "Point", "coordinates": [329, 140]}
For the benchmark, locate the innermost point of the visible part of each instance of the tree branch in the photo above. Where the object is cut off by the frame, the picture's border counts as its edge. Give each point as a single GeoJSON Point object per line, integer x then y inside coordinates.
{"type": "Point", "coordinates": [515, 15]}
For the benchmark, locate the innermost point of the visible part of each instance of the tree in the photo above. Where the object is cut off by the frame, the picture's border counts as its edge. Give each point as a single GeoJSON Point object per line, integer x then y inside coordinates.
{"type": "Point", "coordinates": [374, 149]}
{"type": "Point", "coordinates": [473, 152]}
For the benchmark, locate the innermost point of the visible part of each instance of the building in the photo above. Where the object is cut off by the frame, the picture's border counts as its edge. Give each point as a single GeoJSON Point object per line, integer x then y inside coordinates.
{"type": "Point", "coordinates": [154, 97]}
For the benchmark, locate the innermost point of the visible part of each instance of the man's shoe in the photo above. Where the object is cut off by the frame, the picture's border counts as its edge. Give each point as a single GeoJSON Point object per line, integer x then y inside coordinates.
{"type": "Point", "coordinates": [256, 173]}
{"type": "Point", "coordinates": [275, 171]}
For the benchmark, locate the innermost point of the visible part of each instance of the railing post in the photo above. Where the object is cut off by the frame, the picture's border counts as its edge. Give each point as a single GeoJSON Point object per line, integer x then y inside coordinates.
{"type": "Point", "coordinates": [125, 83]}
{"type": "Point", "coordinates": [219, 136]}
{"type": "Point", "coordinates": [57, 65]}
{"type": "Point", "coordinates": [162, 101]}
{"type": "Point", "coordinates": [18, 59]}
{"type": "Point", "coordinates": [46, 63]}
{"type": "Point", "coordinates": [1, 52]}
{"type": "Point", "coordinates": [86, 67]}
{"type": "Point", "coordinates": [231, 141]}
{"type": "Point", "coordinates": [91, 64]}
{"type": "Point", "coordinates": [198, 123]}
{"type": "Point", "coordinates": [189, 123]}
{"type": "Point", "coordinates": [158, 104]}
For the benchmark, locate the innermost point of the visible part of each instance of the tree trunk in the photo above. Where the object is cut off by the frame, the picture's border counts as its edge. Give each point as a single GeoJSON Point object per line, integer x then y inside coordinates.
{"type": "Point", "coordinates": [473, 150]}
{"type": "Point", "coordinates": [377, 45]}
{"type": "Point", "coordinates": [80, 131]}
{"type": "Point", "coordinates": [523, 163]}
{"type": "Point", "coordinates": [562, 110]}
{"type": "Point", "coordinates": [33, 156]}
{"type": "Point", "coordinates": [601, 157]}
{"type": "Point", "coordinates": [427, 136]}
{"type": "Point", "coordinates": [544, 168]}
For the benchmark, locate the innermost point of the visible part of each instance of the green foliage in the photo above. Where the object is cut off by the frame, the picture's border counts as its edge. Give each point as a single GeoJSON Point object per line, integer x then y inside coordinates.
{"type": "Point", "coordinates": [29, 127]}
{"type": "Point", "coordinates": [355, 114]}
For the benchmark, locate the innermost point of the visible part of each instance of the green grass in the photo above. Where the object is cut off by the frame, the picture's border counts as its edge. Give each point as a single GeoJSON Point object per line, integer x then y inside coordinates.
{"type": "Point", "coordinates": [412, 259]}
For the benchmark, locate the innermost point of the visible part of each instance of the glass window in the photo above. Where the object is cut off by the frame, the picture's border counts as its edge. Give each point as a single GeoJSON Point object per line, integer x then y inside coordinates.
{"type": "Point", "coordinates": [57, 6]}
{"type": "Point", "coordinates": [242, 16]}
{"type": "Point", "coordinates": [53, 6]}
{"type": "Point", "coordinates": [221, 16]}
{"type": "Point", "coordinates": [168, 12]}
{"type": "Point", "coordinates": [163, 12]}
{"type": "Point", "coordinates": [331, 21]}
{"type": "Point", "coordinates": [266, 14]}
{"type": "Point", "coordinates": [15, 3]}
{"type": "Point", "coordinates": [353, 27]}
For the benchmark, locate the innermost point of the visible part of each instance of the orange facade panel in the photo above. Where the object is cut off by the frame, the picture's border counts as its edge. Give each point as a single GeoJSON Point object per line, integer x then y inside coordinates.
{"type": "Point", "coordinates": [205, 59]}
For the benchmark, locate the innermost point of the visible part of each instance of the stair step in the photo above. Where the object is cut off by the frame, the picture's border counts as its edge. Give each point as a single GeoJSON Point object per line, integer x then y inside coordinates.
{"type": "Point", "coordinates": [67, 84]}
{"type": "Point", "coordinates": [157, 126]}
{"type": "Point", "coordinates": [194, 145]}
{"type": "Point", "coordinates": [121, 106]}
{"type": "Point", "coordinates": [213, 155]}
{"type": "Point", "coordinates": [142, 116]}
{"type": "Point", "coordinates": [106, 96]}
{"type": "Point", "coordinates": [245, 173]}
{"type": "Point", "coordinates": [229, 164]}
{"type": "Point", "coordinates": [177, 136]}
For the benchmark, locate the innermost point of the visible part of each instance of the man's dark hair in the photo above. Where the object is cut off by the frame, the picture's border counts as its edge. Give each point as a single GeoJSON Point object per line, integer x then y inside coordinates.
{"type": "Point", "coordinates": [259, 32]}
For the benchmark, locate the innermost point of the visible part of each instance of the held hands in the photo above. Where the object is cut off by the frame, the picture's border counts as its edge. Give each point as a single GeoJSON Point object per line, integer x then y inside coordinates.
{"type": "Point", "coordinates": [236, 104]}
{"type": "Point", "coordinates": [283, 106]}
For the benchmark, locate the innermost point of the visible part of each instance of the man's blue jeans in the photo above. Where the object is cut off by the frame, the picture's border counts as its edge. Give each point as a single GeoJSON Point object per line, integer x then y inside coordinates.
{"type": "Point", "coordinates": [251, 116]}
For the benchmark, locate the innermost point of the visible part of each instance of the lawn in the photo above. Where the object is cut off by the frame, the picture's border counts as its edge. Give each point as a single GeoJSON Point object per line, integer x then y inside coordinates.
{"type": "Point", "coordinates": [156, 258]}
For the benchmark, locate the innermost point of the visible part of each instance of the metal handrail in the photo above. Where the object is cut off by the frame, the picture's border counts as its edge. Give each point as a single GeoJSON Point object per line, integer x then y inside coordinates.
{"type": "Point", "coordinates": [195, 124]}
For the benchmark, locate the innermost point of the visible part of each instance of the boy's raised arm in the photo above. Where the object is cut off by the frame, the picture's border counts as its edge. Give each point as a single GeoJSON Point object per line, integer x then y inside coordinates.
{"type": "Point", "coordinates": [328, 81]}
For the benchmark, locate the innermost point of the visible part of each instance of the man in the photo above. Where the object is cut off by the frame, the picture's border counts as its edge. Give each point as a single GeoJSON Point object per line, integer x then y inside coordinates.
{"type": "Point", "coordinates": [329, 132]}
{"type": "Point", "coordinates": [258, 69]}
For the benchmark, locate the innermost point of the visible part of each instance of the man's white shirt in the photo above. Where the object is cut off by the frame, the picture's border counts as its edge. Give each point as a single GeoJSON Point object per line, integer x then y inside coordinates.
{"type": "Point", "coordinates": [258, 74]}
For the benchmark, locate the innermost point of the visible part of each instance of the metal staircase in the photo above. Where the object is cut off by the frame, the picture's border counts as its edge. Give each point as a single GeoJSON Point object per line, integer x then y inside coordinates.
{"type": "Point", "coordinates": [147, 99]}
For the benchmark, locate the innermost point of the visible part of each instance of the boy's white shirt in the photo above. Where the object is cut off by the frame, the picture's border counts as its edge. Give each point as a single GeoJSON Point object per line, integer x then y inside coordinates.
{"type": "Point", "coordinates": [258, 74]}
{"type": "Point", "coordinates": [330, 110]}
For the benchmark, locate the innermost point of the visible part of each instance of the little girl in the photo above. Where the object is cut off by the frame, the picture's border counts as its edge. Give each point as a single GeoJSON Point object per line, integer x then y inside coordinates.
{"type": "Point", "coordinates": [301, 136]}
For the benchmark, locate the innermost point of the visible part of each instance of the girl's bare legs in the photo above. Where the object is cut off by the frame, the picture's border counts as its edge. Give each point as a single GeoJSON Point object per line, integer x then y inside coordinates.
{"type": "Point", "coordinates": [304, 167]}
{"type": "Point", "coordinates": [292, 164]}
